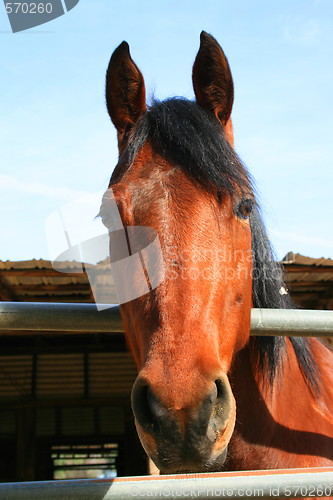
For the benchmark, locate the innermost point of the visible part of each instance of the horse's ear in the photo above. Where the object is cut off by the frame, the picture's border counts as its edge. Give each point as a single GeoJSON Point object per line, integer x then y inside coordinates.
{"type": "Point", "coordinates": [125, 91]}
{"type": "Point", "coordinates": [212, 80]}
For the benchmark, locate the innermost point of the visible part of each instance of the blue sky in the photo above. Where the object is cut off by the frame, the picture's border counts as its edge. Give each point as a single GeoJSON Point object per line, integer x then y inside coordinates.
{"type": "Point", "coordinates": [57, 141]}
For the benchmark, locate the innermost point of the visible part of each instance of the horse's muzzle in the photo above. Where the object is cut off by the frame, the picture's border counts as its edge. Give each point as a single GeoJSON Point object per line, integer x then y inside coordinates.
{"type": "Point", "coordinates": [185, 440]}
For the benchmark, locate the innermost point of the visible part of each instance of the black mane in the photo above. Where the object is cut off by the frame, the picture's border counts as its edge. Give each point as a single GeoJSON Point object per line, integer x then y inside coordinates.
{"type": "Point", "coordinates": [191, 139]}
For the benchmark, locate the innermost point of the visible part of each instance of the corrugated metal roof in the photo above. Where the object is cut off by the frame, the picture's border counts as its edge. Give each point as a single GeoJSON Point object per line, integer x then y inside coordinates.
{"type": "Point", "coordinates": [319, 269]}
{"type": "Point", "coordinates": [310, 280]}
{"type": "Point", "coordinates": [36, 280]}
{"type": "Point", "coordinates": [297, 258]}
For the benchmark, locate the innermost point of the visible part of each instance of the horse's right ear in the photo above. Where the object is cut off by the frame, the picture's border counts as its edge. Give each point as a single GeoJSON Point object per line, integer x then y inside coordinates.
{"type": "Point", "coordinates": [125, 91]}
{"type": "Point", "coordinates": [212, 81]}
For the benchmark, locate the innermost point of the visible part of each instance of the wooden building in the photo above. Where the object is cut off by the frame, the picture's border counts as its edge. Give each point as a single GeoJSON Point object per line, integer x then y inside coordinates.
{"type": "Point", "coordinates": [65, 398]}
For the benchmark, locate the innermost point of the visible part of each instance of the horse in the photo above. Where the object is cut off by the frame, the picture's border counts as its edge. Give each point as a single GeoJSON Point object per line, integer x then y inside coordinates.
{"type": "Point", "coordinates": [208, 397]}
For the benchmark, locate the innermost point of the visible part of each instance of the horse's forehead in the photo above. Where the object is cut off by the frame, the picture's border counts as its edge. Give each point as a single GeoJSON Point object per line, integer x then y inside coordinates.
{"type": "Point", "coordinates": [152, 175]}
{"type": "Point", "coordinates": [153, 189]}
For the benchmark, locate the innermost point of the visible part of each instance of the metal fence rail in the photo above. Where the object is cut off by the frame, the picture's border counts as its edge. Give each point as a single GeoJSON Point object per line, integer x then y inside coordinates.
{"type": "Point", "coordinates": [292, 483]}
{"type": "Point", "coordinates": [50, 317]}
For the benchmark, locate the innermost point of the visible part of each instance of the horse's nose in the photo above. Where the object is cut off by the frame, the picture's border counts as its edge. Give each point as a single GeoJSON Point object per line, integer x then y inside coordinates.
{"type": "Point", "coordinates": [189, 430]}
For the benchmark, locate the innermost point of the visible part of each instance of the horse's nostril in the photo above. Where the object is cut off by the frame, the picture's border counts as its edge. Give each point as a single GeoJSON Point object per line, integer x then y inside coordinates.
{"type": "Point", "coordinates": [155, 407]}
{"type": "Point", "coordinates": [147, 408]}
{"type": "Point", "coordinates": [223, 404]}
{"type": "Point", "coordinates": [141, 406]}
{"type": "Point", "coordinates": [221, 389]}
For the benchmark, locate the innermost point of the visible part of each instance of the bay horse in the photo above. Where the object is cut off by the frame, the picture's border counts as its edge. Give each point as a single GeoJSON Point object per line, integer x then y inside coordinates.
{"type": "Point", "coordinates": [208, 397]}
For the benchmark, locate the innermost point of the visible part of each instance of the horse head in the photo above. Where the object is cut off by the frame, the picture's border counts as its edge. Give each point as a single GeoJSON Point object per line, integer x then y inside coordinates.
{"type": "Point", "coordinates": [179, 174]}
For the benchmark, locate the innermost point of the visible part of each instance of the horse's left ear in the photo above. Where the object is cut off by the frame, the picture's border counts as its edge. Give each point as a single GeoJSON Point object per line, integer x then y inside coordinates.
{"type": "Point", "coordinates": [125, 91]}
{"type": "Point", "coordinates": [212, 81]}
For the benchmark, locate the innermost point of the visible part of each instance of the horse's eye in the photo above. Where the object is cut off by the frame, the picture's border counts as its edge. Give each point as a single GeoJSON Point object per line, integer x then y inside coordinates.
{"type": "Point", "coordinates": [244, 208]}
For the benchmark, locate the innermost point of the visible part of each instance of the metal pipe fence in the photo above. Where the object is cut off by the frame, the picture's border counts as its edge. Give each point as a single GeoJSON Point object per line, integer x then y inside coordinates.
{"type": "Point", "coordinates": [287, 483]}
{"type": "Point", "coordinates": [50, 317]}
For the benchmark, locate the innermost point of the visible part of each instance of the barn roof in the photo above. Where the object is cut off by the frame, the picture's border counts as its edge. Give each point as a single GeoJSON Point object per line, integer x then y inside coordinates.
{"type": "Point", "coordinates": [310, 280]}
{"type": "Point", "coordinates": [36, 280]}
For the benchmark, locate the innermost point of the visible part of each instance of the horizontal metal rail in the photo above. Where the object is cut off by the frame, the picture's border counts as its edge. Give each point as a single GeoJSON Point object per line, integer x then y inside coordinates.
{"type": "Point", "coordinates": [292, 483]}
{"type": "Point", "coordinates": [48, 317]}
{"type": "Point", "coordinates": [57, 317]}
{"type": "Point", "coordinates": [292, 322]}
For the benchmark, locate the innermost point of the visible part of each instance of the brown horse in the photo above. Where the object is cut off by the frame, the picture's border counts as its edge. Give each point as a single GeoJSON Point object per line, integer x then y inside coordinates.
{"type": "Point", "coordinates": [208, 397]}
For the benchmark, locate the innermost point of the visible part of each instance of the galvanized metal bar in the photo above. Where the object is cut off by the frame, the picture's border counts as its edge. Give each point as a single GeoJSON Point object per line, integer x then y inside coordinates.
{"type": "Point", "coordinates": [292, 322]}
{"type": "Point", "coordinates": [62, 317]}
{"type": "Point", "coordinates": [50, 317]}
{"type": "Point", "coordinates": [294, 483]}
